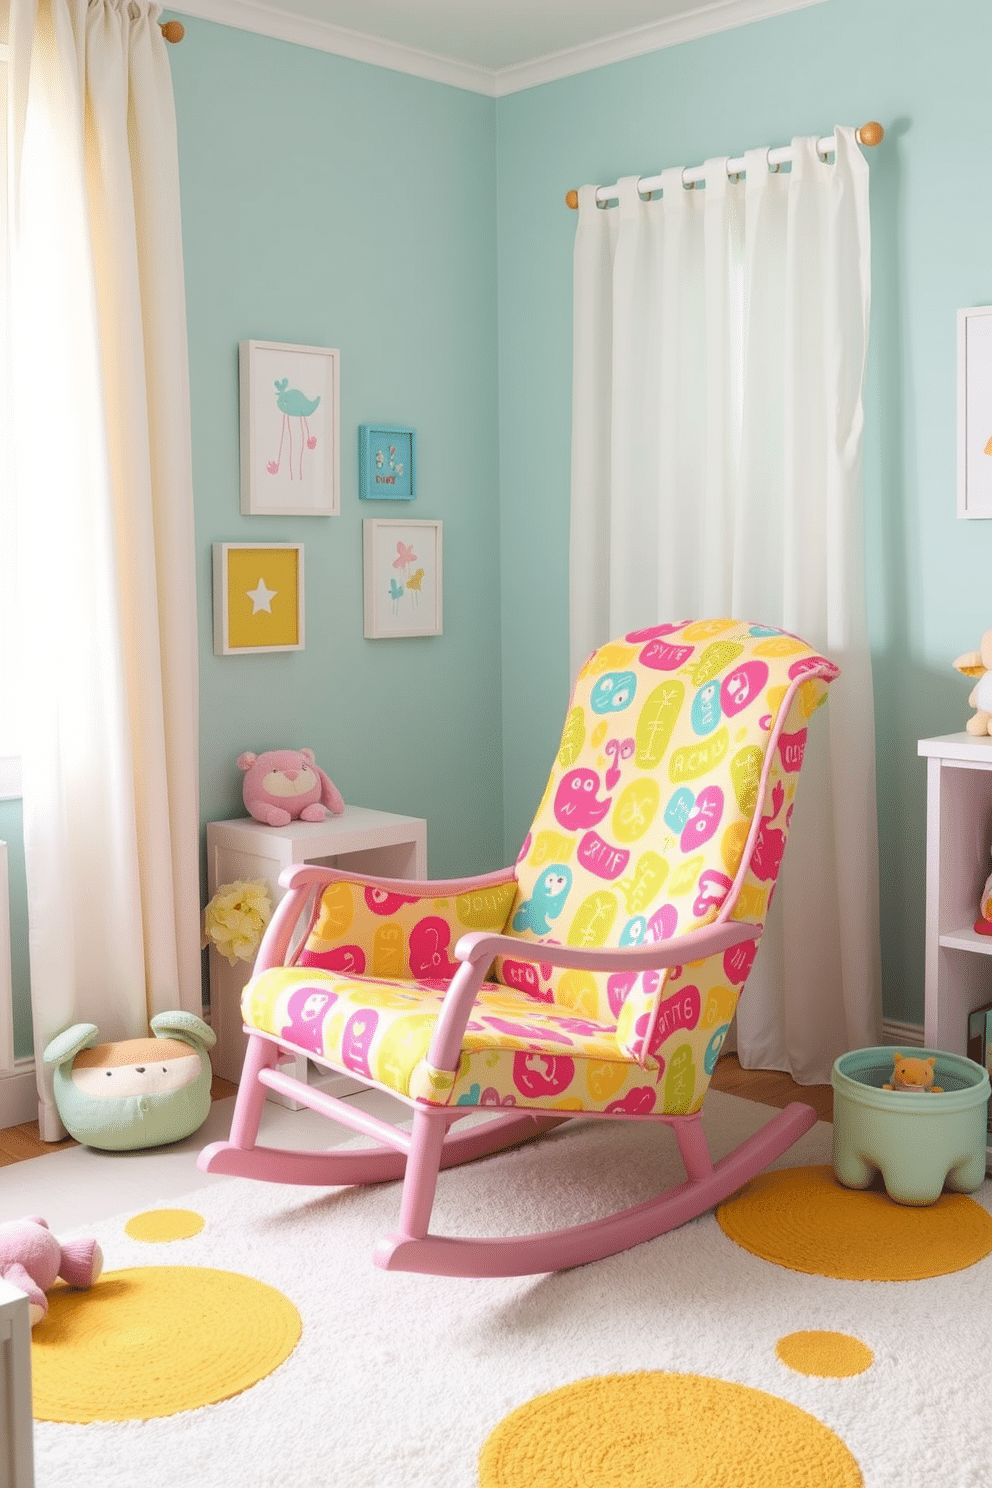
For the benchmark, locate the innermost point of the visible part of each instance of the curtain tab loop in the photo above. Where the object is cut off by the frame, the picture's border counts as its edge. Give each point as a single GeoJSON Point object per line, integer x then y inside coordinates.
{"type": "Point", "coordinates": [587, 202]}
{"type": "Point", "coordinates": [805, 156]}
{"type": "Point", "coordinates": [673, 188]}
{"type": "Point", "coordinates": [628, 195]}
{"type": "Point", "coordinates": [715, 175]}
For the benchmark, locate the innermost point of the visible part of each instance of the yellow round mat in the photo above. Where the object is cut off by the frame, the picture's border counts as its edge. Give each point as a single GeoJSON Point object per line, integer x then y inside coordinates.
{"type": "Point", "coordinates": [804, 1219]}
{"type": "Point", "coordinates": [656, 1430]}
{"type": "Point", "coordinates": [155, 1340]}
{"type": "Point", "coordinates": [826, 1355]}
{"type": "Point", "coordinates": [160, 1225]}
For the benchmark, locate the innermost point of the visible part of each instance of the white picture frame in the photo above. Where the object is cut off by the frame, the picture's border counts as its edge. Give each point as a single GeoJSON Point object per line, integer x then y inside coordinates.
{"type": "Point", "coordinates": [403, 572]}
{"type": "Point", "coordinates": [975, 412]}
{"type": "Point", "coordinates": [290, 429]}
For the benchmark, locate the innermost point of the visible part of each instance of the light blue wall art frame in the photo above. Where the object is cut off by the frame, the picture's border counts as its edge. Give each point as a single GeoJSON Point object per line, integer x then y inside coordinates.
{"type": "Point", "coordinates": [387, 465]}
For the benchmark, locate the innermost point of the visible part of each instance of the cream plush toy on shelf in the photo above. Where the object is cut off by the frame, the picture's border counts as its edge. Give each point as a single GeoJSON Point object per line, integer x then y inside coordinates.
{"type": "Point", "coordinates": [979, 664]}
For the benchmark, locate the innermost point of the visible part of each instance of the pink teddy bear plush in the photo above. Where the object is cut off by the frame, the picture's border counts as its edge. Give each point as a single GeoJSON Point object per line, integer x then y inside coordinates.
{"type": "Point", "coordinates": [31, 1259]}
{"type": "Point", "coordinates": [284, 784]}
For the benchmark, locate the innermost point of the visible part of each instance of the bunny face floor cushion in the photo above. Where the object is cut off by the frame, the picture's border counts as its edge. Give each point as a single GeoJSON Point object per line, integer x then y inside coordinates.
{"type": "Point", "coordinates": [284, 784]}
{"type": "Point", "coordinates": [137, 1092]}
{"type": "Point", "coordinates": [32, 1260]}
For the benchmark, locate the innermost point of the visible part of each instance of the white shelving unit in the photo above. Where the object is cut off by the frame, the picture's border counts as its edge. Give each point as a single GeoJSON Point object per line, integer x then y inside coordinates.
{"type": "Point", "coordinates": [362, 840]}
{"type": "Point", "coordinates": [958, 970]}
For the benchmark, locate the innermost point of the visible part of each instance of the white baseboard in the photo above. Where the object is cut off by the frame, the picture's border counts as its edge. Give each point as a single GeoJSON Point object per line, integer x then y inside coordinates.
{"type": "Point", "coordinates": [903, 1033]}
{"type": "Point", "coordinates": [18, 1096]}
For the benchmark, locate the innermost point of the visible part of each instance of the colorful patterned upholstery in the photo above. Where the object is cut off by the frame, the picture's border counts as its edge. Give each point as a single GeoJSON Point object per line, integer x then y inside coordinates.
{"type": "Point", "coordinates": [668, 807]}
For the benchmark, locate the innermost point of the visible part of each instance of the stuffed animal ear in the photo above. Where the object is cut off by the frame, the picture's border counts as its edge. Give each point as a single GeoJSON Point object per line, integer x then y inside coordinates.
{"type": "Point", "coordinates": [329, 793]}
{"type": "Point", "coordinates": [307, 754]}
{"type": "Point", "coordinates": [65, 1046]}
{"type": "Point", "coordinates": [186, 1027]}
{"type": "Point", "coordinates": [246, 760]}
{"type": "Point", "coordinates": [970, 664]}
{"type": "Point", "coordinates": [986, 651]}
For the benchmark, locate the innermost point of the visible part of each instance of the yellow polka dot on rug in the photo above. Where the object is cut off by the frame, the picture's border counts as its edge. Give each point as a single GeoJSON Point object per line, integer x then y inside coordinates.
{"type": "Point", "coordinates": [157, 1226]}
{"type": "Point", "coordinates": [802, 1218]}
{"type": "Point", "coordinates": [825, 1355]}
{"type": "Point", "coordinates": [653, 1429]}
{"type": "Point", "coordinates": [155, 1340]}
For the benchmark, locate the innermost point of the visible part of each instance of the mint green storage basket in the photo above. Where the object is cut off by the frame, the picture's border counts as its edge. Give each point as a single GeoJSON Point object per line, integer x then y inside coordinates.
{"type": "Point", "coordinates": [918, 1141]}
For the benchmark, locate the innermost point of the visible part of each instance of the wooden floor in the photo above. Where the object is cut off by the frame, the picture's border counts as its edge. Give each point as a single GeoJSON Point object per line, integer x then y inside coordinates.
{"type": "Point", "coordinates": [20, 1142]}
{"type": "Point", "coordinates": [770, 1087]}
{"type": "Point", "coordinates": [767, 1087]}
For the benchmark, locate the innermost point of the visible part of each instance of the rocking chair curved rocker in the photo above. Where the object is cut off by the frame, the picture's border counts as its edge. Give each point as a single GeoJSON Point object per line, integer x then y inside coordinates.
{"type": "Point", "coordinates": [596, 978]}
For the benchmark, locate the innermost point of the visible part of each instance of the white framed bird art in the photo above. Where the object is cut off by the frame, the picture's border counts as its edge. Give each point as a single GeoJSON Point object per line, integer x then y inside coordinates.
{"type": "Point", "coordinates": [290, 448]}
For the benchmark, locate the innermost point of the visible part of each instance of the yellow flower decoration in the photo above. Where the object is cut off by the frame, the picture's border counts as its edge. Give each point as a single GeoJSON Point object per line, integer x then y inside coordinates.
{"type": "Point", "coordinates": [234, 919]}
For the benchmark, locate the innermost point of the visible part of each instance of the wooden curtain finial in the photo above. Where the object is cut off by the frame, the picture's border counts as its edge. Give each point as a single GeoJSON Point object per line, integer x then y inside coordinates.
{"type": "Point", "coordinates": [572, 199]}
{"type": "Point", "coordinates": [173, 30]}
{"type": "Point", "coordinates": [871, 133]}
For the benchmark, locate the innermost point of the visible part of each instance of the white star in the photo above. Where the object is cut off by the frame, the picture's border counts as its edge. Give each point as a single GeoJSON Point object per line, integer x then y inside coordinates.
{"type": "Point", "coordinates": [261, 598]}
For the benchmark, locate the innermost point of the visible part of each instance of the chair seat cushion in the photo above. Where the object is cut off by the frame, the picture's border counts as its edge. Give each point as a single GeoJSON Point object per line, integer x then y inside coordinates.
{"type": "Point", "coordinates": [515, 1051]}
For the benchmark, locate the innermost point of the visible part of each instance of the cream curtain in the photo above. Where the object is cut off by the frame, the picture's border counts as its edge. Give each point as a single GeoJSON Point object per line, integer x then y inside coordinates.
{"type": "Point", "coordinates": [719, 361]}
{"type": "Point", "coordinates": [105, 523]}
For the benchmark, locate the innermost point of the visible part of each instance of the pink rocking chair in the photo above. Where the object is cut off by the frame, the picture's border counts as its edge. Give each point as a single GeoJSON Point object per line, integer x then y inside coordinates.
{"type": "Point", "coordinates": [596, 978]}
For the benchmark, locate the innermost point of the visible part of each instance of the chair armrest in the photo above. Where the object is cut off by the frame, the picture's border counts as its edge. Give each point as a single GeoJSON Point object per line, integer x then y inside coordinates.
{"type": "Point", "coordinates": [481, 902]}
{"type": "Point", "coordinates": [279, 933]}
{"type": "Point", "coordinates": [478, 950]}
{"type": "Point", "coordinates": [695, 945]}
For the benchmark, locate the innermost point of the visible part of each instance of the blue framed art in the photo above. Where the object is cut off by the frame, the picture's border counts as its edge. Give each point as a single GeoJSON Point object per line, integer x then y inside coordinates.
{"type": "Point", "coordinates": [387, 469]}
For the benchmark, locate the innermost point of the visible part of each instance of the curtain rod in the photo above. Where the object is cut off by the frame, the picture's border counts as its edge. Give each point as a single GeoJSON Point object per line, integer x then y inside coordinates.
{"type": "Point", "coordinates": [869, 134]}
{"type": "Point", "coordinates": [173, 30]}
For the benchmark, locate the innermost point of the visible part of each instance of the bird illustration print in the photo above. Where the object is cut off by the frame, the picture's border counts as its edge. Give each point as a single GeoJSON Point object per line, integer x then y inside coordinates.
{"type": "Point", "coordinates": [293, 404]}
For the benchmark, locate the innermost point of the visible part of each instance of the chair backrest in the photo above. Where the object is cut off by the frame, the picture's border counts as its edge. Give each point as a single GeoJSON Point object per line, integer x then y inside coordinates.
{"type": "Point", "coordinates": [667, 808]}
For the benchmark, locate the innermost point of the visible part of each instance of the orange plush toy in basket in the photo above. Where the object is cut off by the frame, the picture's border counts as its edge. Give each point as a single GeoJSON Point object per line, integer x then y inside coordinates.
{"type": "Point", "coordinates": [983, 924]}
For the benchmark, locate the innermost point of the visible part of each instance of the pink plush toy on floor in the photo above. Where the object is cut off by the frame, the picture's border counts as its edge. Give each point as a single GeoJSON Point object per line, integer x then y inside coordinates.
{"type": "Point", "coordinates": [32, 1259]}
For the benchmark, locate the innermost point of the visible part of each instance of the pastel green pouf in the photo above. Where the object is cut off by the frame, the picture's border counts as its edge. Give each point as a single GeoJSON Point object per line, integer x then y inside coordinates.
{"type": "Point", "coordinates": [919, 1141]}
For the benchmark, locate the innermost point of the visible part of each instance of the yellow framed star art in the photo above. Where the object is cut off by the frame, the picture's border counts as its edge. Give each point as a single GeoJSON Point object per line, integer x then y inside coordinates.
{"type": "Point", "coordinates": [258, 598]}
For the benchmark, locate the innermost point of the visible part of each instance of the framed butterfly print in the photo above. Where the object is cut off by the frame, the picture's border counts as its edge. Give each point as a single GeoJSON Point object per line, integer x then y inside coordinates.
{"type": "Point", "coordinates": [402, 578]}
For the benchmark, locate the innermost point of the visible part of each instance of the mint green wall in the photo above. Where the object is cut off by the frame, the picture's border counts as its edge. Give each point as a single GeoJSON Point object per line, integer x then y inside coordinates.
{"type": "Point", "coordinates": [331, 203]}
{"type": "Point", "coordinates": [924, 72]}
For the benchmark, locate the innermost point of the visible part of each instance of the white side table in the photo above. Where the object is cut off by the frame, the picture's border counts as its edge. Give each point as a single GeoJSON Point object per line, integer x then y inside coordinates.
{"type": "Point", "coordinates": [16, 1420]}
{"type": "Point", "coordinates": [362, 840]}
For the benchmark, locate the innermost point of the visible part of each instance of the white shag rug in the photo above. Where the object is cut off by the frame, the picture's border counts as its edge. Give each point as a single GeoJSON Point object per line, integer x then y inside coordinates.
{"type": "Point", "coordinates": [398, 1379]}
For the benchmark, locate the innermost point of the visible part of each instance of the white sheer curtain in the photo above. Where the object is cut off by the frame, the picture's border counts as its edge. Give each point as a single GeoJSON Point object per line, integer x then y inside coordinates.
{"type": "Point", "coordinates": [105, 523]}
{"type": "Point", "coordinates": [719, 360]}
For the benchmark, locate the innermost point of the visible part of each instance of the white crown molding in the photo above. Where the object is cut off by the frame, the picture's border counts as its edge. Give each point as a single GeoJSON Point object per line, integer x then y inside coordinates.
{"type": "Point", "coordinates": [321, 36]}
{"type": "Point", "coordinates": [281, 25]}
{"type": "Point", "coordinates": [723, 15]}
